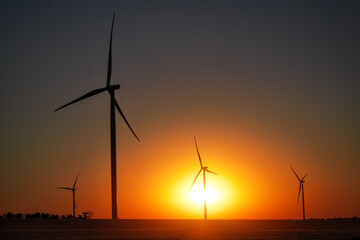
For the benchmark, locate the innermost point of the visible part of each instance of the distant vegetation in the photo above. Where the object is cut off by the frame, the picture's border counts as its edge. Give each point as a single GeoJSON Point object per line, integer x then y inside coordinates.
{"type": "Point", "coordinates": [89, 215]}
{"type": "Point", "coordinates": [338, 218]}
{"type": "Point", "coordinates": [38, 215]}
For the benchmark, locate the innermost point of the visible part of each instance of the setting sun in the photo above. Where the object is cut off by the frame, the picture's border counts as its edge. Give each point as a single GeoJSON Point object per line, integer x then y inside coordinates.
{"type": "Point", "coordinates": [197, 195]}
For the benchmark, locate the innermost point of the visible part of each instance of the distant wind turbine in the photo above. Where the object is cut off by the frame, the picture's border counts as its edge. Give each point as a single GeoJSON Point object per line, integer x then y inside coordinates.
{"type": "Point", "coordinates": [73, 189]}
{"type": "Point", "coordinates": [113, 103]}
{"type": "Point", "coordinates": [301, 189]}
{"type": "Point", "coordinates": [204, 169]}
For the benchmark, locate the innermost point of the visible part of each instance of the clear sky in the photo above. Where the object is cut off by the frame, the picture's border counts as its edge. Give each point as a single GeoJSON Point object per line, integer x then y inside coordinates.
{"type": "Point", "coordinates": [264, 85]}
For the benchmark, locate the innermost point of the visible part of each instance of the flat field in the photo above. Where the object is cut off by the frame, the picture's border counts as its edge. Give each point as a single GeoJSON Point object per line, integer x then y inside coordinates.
{"type": "Point", "coordinates": [179, 229]}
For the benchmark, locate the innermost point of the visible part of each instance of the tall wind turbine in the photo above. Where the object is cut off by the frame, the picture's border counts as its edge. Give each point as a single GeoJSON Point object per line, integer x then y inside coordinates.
{"type": "Point", "coordinates": [73, 189]}
{"type": "Point", "coordinates": [113, 103]}
{"type": "Point", "coordinates": [301, 189]}
{"type": "Point", "coordinates": [204, 169]}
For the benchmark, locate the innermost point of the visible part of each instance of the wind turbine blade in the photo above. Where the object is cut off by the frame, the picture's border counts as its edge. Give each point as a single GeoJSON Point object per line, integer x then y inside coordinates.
{"type": "Point", "coordinates": [211, 172]}
{"type": "Point", "coordinates": [304, 177]}
{"type": "Point", "coordinates": [66, 188]}
{"type": "Point", "coordinates": [195, 180]}
{"type": "Point", "coordinates": [123, 116]}
{"type": "Point", "coordinates": [89, 94]}
{"type": "Point", "coordinates": [297, 203]}
{"type": "Point", "coordinates": [76, 180]}
{"type": "Point", "coordinates": [198, 151]}
{"type": "Point", "coordinates": [295, 173]}
{"type": "Point", "coordinates": [109, 61]}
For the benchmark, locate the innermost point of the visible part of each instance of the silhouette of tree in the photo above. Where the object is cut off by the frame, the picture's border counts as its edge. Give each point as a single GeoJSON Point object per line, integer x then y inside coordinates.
{"type": "Point", "coordinates": [36, 215]}
{"type": "Point", "coordinates": [87, 214]}
{"type": "Point", "coordinates": [45, 215]}
{"type": "Point", "coordinates": [53, 216]}
{"type": "Point", "coordinates": [9, 215]}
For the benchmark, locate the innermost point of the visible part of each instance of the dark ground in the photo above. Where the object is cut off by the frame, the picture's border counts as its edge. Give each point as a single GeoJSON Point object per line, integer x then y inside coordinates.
{"type": "Point", "coordinates": [179, 229]}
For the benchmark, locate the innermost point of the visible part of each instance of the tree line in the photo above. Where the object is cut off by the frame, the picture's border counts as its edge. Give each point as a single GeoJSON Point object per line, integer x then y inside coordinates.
{"type": "Point", "coordinates": [38, 215]}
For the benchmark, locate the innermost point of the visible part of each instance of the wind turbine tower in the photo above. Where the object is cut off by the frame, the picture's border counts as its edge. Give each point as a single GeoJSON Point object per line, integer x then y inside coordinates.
{"type": "Point", "coordinates": [73, 189]}
{"type": "Point", "coordinates": [113, 104]}
{"type": "Point", "coordinates": [301, 190]}
{"type": "Point", "coordinates": [204, 170]}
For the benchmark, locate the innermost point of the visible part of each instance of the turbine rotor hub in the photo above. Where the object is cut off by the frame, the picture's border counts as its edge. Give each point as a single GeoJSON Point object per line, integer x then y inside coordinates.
{"type": "Point", "coordinates": [113, 87]}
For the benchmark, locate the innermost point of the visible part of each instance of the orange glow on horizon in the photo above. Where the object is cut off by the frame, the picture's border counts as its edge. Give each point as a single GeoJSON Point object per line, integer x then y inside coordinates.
{"type": "Point", "coordinates": [154, 177]}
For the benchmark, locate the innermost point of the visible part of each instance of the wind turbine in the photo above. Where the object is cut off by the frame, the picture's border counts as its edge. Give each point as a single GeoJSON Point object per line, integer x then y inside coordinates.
{"type": "Point", "coordinates": [204, 169]}
{"type": "Point", "coordinates": [113, 103]}
{"type": "Point", "coordinates": [73, 191]}
{"type": "Point", "coordinates": [301, 189]}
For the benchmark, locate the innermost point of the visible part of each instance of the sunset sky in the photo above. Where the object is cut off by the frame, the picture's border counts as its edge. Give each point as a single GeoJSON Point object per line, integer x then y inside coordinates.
{"type": "Point", "coordinates": [264, 85]}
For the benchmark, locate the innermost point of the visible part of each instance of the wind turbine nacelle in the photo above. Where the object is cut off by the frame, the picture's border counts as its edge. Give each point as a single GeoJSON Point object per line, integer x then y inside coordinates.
{"type": "Point", "coordinates": [113, 87]}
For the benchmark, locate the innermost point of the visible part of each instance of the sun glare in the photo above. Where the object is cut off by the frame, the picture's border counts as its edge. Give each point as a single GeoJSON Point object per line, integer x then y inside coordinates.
{"type": "Point", "coordinates": [197, 196]}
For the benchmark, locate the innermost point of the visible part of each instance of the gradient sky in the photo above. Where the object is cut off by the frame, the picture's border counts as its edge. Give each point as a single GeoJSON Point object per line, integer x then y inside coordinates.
{"type": "Point", "coordinates": [264, 85]}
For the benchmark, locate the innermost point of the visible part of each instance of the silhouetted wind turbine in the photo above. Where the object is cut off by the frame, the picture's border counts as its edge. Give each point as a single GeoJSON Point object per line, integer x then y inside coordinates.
{"type": "Point", "coordinates": [73, 189]}
{"type": "Point", "coordinates": [113, 103]}
{"type": "Point", "coordinates": [301, 189]}
{"type": "Point", "coordinates": [204, 169]}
